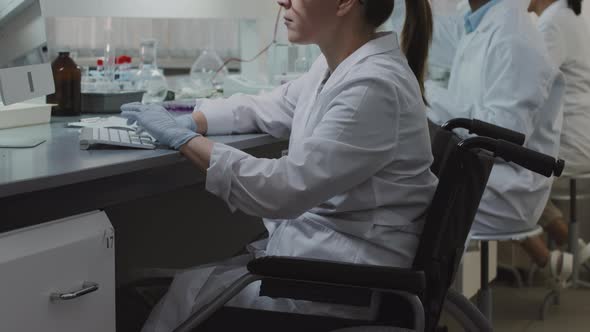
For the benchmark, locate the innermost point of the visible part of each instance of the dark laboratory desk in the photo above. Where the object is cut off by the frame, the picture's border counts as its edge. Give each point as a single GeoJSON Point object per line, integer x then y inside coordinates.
{"type": "Point", "coordinates": [56, 179]}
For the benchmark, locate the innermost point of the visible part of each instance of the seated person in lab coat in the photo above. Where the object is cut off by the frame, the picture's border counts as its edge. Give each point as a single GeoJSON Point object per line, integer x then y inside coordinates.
{"type": "Point", "coordinates": [356, 182]}
{"type": "Point", "coordinates": [448, 30]}
{"type": "Point", "coordinates": [567, 39]}
{"type": "Point", "coordinates": [501, 74]}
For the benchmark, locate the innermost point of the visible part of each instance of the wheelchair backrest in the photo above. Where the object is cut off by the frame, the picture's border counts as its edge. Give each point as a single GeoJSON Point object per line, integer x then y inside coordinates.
{"type": "Point", "coordinates": [463, 175]}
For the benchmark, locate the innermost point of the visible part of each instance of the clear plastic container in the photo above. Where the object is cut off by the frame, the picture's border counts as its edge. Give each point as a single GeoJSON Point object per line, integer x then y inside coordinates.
{"type": "Point", "coordinates": [208, 73]}
{"type": "Point", "coordinates": [149, 78]}
{"type": "Point", "coordinates": [288, 62]}
{"type": "Point", "coordinates": [110, 63]}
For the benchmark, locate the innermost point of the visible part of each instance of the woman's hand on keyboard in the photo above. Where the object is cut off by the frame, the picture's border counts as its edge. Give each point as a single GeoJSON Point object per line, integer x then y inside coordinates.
{"type": "Point", "coordinates": [159, 123]}
{"type": "Point", "coordinates": [185, 120]}
{"type": "Point", "coordinates": [186, 105]}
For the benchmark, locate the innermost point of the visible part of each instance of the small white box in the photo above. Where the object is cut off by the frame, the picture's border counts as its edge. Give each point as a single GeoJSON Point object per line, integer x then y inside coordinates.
{"type": "Point", "coordinates": [19, 84]}
{"type": "Point", "coordinates": [22, 114]}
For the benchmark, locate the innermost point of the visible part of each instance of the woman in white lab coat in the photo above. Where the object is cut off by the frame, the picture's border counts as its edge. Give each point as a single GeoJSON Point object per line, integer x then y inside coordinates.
{"type": "Point", "coordinates": [355, 184]}
{"type": "Point", "coordinates": [567, 39]}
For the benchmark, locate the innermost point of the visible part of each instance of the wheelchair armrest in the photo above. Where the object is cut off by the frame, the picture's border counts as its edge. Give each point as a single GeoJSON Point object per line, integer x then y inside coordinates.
{"type": "Point", "coordinates": [341, 274]}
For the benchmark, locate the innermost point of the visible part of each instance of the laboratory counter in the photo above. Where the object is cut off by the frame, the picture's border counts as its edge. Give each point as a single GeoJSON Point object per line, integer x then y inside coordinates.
{"type": "Point", "coordinates": [57, 179]}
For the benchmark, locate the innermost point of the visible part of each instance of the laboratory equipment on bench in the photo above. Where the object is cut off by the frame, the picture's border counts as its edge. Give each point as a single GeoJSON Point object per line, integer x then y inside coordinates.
{"type": "Point", "coordinates": [68, 80]}
{"type": "Point", "coordinates": [109, 102]}
{"type": "Point", "coordinates": [149, 78]}
{"type": "Point", "coordinates": [234, 84]}
{"type": "Point", "coordinates": [256, 19]}
{"type": "Point", "coordinates": [208, 73]}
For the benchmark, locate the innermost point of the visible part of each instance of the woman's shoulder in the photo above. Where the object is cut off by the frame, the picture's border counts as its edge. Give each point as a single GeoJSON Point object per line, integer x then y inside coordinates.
{"type": "Point", "coordinates": [563, 18]}
{"type": "Point", "coordinates": [389, 67]}
{"type": "Point", "coordinates": [565, 14]}
{"type": "Point", "coordinates": [386, 75]}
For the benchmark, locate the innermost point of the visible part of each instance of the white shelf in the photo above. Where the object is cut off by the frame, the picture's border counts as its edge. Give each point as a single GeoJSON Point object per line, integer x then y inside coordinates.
{"type": "Point", "coordinates": [22, 29]}
{"type": "Point", "coordinates": [10, 8]}
{"type": "Point", "coordinates": [228, 9]}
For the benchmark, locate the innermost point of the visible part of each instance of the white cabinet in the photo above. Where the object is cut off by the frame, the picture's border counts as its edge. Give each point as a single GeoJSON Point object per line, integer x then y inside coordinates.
{"type": "Point", "coordinates": [468, 279]}
{"type": "Point", "coordinates": [59, 276]}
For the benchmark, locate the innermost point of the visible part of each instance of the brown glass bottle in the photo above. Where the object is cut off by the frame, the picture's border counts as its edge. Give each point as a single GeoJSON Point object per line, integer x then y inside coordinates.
{"type": "Point", "coordinates": [67, 77]}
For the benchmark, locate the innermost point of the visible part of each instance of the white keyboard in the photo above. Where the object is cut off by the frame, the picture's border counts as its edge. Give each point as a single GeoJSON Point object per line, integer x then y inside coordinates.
{"type": "Point", "coordinates": [117, 137]}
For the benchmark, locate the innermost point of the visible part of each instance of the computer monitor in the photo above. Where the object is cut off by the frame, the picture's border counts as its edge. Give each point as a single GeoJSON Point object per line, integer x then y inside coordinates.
{"type": "Point", "coordinates": [22, 33]}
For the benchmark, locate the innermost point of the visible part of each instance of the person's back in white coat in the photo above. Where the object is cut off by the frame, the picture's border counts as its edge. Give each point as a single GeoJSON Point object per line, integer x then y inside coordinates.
{"type": "Point", "coordinates": [502, 74]}
{"type": "Point", "coordinates": [447, 32]}
{"type": "Point", "coordinates": [356, 182]}
{"type": "Point", "coordinates": [567, 39]}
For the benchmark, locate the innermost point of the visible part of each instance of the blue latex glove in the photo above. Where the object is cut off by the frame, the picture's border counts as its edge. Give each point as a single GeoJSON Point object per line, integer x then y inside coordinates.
{"type": "Point", "coordinates": [185, 105]}
{"type": "Point", "coordinates": [159, 123]}
{"type": "Point", "coordinates": [184, 120]}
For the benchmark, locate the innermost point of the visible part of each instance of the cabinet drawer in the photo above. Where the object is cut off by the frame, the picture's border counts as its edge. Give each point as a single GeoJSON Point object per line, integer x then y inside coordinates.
{"type": "Point", "coordinates": [59, 276]}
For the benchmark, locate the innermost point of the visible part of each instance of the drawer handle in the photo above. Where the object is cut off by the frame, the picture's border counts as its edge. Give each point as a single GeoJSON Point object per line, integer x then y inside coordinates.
{"type": "Point", "coordinates": [87, 288]}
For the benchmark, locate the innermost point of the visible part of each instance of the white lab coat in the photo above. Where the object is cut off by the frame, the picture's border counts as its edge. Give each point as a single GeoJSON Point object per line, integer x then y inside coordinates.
{"type": "Point", "coordinates": [568, 41]}
{"type": "Point", "coordinates": [501, 74]}
{"type": "Point", "coordinates": [448, 30]}
{"type": "Point", "coordinates": [447, 33]}
{"type": "Point", "coordinates": [354, 186]}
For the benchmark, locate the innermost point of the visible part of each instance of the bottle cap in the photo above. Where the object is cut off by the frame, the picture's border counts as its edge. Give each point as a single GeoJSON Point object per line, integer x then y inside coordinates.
{"type": "Point", "coordinates": [63, 50]}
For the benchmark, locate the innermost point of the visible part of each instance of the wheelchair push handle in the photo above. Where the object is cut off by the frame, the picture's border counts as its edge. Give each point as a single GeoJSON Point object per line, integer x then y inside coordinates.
{"type": "Point", "coordinates": [532, 160]}
{"type": "Point", "coordinates": [482, 128]}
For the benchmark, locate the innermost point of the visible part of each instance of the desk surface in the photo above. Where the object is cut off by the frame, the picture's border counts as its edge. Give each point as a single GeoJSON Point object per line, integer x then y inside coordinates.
{"type": "Point", "coordinates": [59, 161]}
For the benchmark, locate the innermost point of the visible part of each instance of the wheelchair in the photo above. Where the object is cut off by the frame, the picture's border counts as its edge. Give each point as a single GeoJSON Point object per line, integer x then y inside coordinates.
{"type": "Point", "coordinates": [408, 298]}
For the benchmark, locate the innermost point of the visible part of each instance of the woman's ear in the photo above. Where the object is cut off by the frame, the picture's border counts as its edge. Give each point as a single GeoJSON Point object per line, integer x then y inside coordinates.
{"type": "Point", "coordinates": [345, 6]}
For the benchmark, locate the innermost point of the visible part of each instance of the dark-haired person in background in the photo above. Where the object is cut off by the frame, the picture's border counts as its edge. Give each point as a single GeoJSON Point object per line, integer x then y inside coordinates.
{"type": "Point", "coordinates": [567, 39]}
{"type": "Point", "coordinates": [356, 182]}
